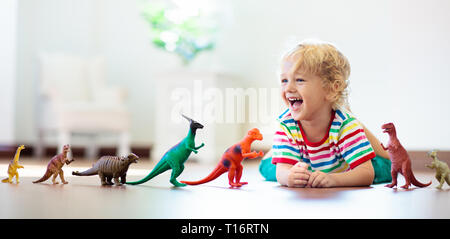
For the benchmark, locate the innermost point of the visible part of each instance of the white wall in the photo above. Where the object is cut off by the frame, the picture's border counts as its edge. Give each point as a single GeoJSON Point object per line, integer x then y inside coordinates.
{"type": "Point", "coordinates": [399, 53]}
{"type": "Point", "coordinates": [8, 29]}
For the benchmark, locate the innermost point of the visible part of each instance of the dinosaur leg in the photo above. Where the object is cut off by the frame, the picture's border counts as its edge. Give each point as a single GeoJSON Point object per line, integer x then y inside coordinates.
{"type": "Point", "coordinates": [447, 178]}
{"type": "Point", "coordinates": [61, 175]}
{"type": "Point", "coordinates": [109, 180]}
{"type": "Point", "coordinates": [239, 175]}
{"type": "Point", "coordinates": [17, 177]}
{"type": "Point", "coordinates": [116, 180]}
{"type": "Point", "coordinates": [441, 182]}
{"type": "Point", "coordinates": [407, 173]}
{"type": "Point", "coordinates": [102, 178]}
{"type": "Point", "coordinates": [176, 171]}
{"type": "Point", "coordinates": [231, 177]}
{"type": "Point", "coordinates": [394, 174]}
{"type": "Point", "coordinates": [10, 177]}
{"type": "Point", "coordinates": [123, 178]}
{"type": "Point", "coordinates": [438, 177]}
{"type": "Point", "coordinates": [54, 178]}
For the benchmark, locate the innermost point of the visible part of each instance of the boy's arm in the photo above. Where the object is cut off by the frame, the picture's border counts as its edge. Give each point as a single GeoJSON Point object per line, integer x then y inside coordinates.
{"type": "Point", "coordinates": [282, 175]}
{"type": "Point", "coordinates": [356, 148]}
{"type": "Point", "coordinates": [362, 175]}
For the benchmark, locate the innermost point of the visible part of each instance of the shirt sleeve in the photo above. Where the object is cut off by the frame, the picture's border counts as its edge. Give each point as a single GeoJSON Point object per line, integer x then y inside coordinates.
{"type": "Point", "coordinates": [284, 148]}
{"type": "Point", "coordinates": [353, 144]}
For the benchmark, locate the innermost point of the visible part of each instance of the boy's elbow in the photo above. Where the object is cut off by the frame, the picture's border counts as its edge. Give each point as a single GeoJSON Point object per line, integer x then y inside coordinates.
{"type": "Point", "coordinates": [370, 177]}
{"type": "Point", "coordinates": [370, 173]}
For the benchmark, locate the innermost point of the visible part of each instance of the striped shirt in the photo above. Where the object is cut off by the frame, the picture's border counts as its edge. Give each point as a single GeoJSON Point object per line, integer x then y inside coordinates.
{"type": "Point", "coordinates": [344, 148]}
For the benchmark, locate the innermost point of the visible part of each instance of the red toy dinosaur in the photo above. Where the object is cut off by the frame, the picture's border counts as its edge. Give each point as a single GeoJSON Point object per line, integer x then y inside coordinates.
{"type": "Point", "coordinates": [400, 159]}
{"type": "Point", "coordinates": [231, 160]}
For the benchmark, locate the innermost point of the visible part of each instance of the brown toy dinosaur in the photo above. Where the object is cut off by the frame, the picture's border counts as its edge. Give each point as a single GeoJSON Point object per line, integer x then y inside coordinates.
{"type": "Point", "coordinates": [401, 163]}
{"type": "Point", "coordinates": [54, 167]}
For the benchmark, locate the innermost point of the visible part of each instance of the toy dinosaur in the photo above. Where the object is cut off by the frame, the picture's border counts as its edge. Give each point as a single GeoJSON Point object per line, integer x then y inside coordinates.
{"type": "Point", "coordinates": [13, 166]}
{"type": "Point", "coordinates": [401, 163]}
{"type": "Point", "coordinates": [109, 167]}
{"type": "Point", "coordinates": [442, 170]}
{"type": "Point", "coordinates": [231, 160]}
{"type": "Point", "coordinates": [174, 158]}
{"type": "Point", "coordinates": [54, 167]}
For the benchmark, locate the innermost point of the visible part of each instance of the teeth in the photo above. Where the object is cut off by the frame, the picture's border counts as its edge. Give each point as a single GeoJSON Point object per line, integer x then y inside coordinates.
{"type": "Point", "coordinates": [293, 99]}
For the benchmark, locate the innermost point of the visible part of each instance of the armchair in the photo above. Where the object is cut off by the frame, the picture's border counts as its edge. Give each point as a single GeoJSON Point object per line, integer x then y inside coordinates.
{"type": "Point", "coordinates": [73, 98]}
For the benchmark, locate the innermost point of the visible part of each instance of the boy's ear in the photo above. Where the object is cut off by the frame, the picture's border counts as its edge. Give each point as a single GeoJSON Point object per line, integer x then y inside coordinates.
{"type": "Point", "coordinates": [331, 92]}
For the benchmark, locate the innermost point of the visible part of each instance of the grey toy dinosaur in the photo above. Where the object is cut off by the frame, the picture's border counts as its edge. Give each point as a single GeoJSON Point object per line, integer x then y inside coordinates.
{"type": "Point", "coordinates": [109, 167]}
{"type": "Point", "coordinates": [442, 170]}
{"type": "Point", "coordinates": [176, 156]}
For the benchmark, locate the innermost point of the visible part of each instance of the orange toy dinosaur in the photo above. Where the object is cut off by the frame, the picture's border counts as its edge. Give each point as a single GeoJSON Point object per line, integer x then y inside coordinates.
{"type": "Point", "coordinates": [400, 159]}
{"type": "Point", "coordinates": [231, 160]}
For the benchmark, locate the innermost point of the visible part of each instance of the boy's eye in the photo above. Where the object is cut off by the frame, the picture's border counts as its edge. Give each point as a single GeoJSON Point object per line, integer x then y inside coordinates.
{"type": "Point", "coordinates": [299, 80]}
{"type": "Point", "coordinates": [284, 80]}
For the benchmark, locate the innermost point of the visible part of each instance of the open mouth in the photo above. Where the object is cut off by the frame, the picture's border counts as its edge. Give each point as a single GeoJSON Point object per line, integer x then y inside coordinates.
{"type": "Point", "coordinates": [295, 102]}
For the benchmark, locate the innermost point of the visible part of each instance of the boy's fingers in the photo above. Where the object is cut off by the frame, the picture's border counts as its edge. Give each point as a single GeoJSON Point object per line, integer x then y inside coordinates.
{"type": "Point", "coordinates": [317, 181]}
{"type": "Point", "coordinates": [300, 170]}
{"type": "Point", "coordinates": [301, 176]}
{"type": "Point", "coordinates": [311, 179]}
{"type": "Point", "coordinates": [300, 183]}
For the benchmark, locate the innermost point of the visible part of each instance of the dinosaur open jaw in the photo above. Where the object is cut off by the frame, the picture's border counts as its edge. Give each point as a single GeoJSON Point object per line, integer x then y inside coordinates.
{"type": "Point", "coordinates": [388, 128]}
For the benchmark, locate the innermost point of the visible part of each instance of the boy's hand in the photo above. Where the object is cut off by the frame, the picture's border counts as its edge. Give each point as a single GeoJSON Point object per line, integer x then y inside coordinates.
{"type": "Point", "coordinates": [320, 179]}
{"type": "Point", "coordinates": [298, 175]}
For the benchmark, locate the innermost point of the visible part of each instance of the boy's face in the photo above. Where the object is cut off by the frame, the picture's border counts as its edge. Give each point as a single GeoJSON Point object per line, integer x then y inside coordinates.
{"type": "Point", "coordinates": [303, 93]}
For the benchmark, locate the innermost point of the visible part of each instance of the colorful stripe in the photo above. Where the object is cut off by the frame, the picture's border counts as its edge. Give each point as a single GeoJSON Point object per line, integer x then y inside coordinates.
{"type": "Point", "coordinates": [345, 147]}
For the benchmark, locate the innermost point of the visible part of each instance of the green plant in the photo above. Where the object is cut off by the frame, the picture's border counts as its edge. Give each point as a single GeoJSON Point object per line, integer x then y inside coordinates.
{"type": "Point", "coordinates": [186, 32]}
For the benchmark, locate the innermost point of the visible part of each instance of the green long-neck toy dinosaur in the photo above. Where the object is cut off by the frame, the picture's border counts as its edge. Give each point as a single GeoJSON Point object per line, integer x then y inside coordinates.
{"type": "Point", "coordinates": [176, 156]}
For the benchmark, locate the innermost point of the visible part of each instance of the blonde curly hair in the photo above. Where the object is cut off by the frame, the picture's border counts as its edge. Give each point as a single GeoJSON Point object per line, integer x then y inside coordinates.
{"type": "Point", "coordinates": [326, 61]}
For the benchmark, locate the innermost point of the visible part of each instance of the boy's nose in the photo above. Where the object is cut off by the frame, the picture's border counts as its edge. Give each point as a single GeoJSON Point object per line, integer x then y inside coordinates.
{"type": "Point", "coordinates": [290, 86]}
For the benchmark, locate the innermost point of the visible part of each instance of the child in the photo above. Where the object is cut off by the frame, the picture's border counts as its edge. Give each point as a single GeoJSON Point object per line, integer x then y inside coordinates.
{"type": "Point", "coordinates": [319, 142]}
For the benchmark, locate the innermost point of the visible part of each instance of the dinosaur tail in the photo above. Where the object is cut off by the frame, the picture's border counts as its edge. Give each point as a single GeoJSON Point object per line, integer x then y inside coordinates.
{"type": "Point", "coordinates": [161, 167]}
{"type": "Point", "coordinates": [219, 170]}
{"type": "Point", "coordinates": [89, 172]}
{"type": "Point", "coordinates": [45, 177]}
{"type": "Point", "coordinates": [5, 180]}
{"type": "Point", "coordinates": [416, 183]}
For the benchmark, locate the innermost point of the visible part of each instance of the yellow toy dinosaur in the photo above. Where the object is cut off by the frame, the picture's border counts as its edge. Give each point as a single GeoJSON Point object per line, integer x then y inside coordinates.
{"type": "Point", "coordinates": [13, 166]}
